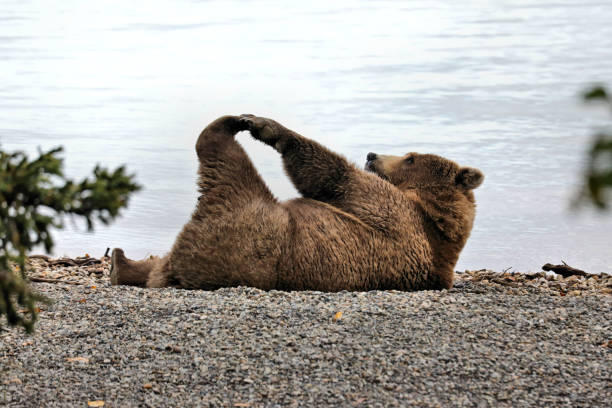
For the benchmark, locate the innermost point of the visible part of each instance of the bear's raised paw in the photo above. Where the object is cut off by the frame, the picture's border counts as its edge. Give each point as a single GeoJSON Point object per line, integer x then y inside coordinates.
{"type": "Point", "coordinates": [264, 129]}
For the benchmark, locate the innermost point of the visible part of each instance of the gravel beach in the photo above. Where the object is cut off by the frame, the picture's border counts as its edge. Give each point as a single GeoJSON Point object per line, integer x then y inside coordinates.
{"type": "Point", "coordinates": [538, 341]}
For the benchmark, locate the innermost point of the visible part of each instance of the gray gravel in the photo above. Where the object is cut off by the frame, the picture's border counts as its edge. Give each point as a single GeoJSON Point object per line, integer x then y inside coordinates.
{"type": "Point", "coordinates": [475, 345]}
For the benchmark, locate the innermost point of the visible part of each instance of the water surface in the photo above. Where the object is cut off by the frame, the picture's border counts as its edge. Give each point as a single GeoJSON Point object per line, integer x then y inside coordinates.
{"type": "Point", "coordinates": [494, 86]}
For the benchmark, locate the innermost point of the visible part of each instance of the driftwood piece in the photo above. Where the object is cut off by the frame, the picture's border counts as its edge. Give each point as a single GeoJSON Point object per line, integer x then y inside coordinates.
{"type": "Point", "coordinates": [43, 257]}
{"type": "Point", "coordinates": [78, 261]}
{"type": "Point", "coordinates": [62, 262]}
{"type": "Point", "coordinates": [45, 280]}
{"type": "Point", "coordinates": [535, 275]}
{"type": "Point", "coordinates": [74, 261]}
{"type": "Point", "coordinates": [564, 270]}
{"type": "Point", "coordinates": [87, 261]}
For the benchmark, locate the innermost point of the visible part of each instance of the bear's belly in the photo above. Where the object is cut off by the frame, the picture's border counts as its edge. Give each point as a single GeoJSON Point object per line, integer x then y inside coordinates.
{"type": "Point", "coordinates": [331, 251]}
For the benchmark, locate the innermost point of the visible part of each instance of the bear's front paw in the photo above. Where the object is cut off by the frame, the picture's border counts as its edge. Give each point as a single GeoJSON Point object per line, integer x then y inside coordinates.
{"type": "Point", "coordinates": [263, 129]}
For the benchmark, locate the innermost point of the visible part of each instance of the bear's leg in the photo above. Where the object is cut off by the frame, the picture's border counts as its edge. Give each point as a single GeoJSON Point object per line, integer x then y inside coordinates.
{"type": "Point", "coordinates": [125, 271]}
{"type": "Point", "coordinates": [320, 174]}
{"type": "Point", "coordinates": [161, 276]}
{"type": "Point", "coordinates": [234, 200]}
{"type": "Point", "coordinates": [316, 171]}
{"type": "Point", "coordinates": [228, 179]}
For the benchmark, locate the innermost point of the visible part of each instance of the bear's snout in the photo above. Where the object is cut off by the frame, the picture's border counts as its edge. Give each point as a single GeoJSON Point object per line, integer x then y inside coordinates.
{"type": "Point", "coordinates": [370, 158]}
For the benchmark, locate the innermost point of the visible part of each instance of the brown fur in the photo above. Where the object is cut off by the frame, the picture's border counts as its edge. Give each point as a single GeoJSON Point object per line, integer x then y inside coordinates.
{"type": "Point", "coordinates": [401, 225]}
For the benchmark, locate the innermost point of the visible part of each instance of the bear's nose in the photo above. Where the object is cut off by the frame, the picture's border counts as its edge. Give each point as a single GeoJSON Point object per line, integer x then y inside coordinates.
{"type": "Point", "coordinates": [371, 156]}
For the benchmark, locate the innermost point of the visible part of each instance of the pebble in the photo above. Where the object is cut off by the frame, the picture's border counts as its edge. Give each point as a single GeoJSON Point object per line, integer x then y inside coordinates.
{"type": "Point", "coordinates": [495, 339]}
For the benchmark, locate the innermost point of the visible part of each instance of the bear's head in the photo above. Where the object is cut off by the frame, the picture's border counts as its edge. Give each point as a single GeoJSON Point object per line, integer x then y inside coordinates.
{"type": "Point", "coordinates": [424, 171]}
{"type": "Point", "coordinates": [442, 190]}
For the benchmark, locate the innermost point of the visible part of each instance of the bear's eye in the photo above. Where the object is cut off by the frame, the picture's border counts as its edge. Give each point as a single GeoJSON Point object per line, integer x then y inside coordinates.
{"type": "Point", "coordinates": [409, 160]}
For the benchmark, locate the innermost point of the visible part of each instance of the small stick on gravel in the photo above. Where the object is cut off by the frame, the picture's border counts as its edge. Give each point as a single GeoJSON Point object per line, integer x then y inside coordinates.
{"type": "Point", "coordinates": [106, 253]}
{"type": "Point", "coordinates": [87, 262]}
{"type": "Point", "coordinates": [564, 270]}
{"type": "Point", "coordinates": [74, 261]}
{"type": "Point", "coordinates": [62, 262]}
{"type": "Point", "coordinates": [43, 257]}
{"type": "Point", "coordinates": [45, 280]}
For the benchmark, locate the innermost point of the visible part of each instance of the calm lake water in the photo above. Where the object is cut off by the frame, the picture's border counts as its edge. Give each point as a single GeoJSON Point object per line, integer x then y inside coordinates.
{"type": "Point", "coordinates": [494, 85]}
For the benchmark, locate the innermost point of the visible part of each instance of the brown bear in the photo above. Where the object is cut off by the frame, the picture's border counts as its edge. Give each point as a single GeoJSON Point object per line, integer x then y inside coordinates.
{"type": "Point", "coordinates": [400, 224]}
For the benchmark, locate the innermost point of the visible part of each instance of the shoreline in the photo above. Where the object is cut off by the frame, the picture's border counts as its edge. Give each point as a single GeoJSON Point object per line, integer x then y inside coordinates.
{"type": "Point", "coordinates": [91, 271]}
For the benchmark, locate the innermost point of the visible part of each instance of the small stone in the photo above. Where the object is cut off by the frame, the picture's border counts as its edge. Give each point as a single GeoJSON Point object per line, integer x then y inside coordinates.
{"type": "Point", "coordinates": [280, 348]}
{"type": "Point", "coordinates": [426, 304]}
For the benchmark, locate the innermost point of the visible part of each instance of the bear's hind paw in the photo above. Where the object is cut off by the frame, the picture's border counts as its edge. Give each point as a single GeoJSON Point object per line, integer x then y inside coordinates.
{"type": "Point", "coordinates": [262, 129]}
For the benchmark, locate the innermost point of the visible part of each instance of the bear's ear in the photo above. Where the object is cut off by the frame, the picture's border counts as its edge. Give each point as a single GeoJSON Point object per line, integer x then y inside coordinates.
{"type": "Point", "coordinates": [469, 178]}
